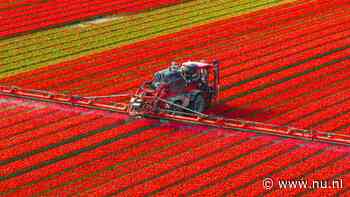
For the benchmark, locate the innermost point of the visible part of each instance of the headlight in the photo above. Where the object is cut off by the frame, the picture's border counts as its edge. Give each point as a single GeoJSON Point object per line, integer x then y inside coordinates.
{"type": "Point", "coordinates": [136, 104]}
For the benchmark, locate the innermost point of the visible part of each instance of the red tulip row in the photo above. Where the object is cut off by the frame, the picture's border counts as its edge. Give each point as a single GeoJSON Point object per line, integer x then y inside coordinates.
{"type": "Point", "coordinates": [254, 153]}
{"type": "Point", "coordinates": [326, 174]}
{"type": "Point", "coordinates": [113, 81]}
{"type": "Point", "coordinates": [111, 74]}
{"type": "Point", "coordinates": [332, 191]}
{"type": "Point", "coordinates": [124, 172]}
{"type": "Point", "coordinates": [124, 51]}
{"type": "Point", "coordinates": [43, 130]}
{"type": "Point", "coordinates": [312, 107]}
{"type": "Point", "coordinates": [130, 82]}
{"type": "Point", "coordinates": [251, 180]}
{"type": "Point", "coordinates": [230, 185]}
{"type": "Point", "coordinates": [256, 187]}
{"type": "Point", "coordinates": [308, 165]}
{"type": "Point", "coordinates": [34, 123]}
{"type": "Point", "coordinates": [138, 145]}
{"type": "Point", "coordinates": [53, 13]}
{"type": "Point", "coordinates": [281, 93]}
{"type": "Point", "coordinates": [86, 40]}
{"type": "Point", "coordinates": [240, 101]}
{"type": "Point", "coordinates": [85, 157]}
{"type": "Point", "coordinates": [21, 116]}
{"type": "Point", "coordinates": [16, 152]}
{"type": "Point", "coordinates": [339, 123]}
{"type": "Point", "coordinates": [225, 180]}
{"type": "Point", "coordinates": [299, 101]}
{"type": "Point", "coordinates": [134, 171]}
{"type": "Point", "coordinates": [323, 114]}
{"type": "Point", "coordinates": [45, 158]}
{"type": "Point", "coordinates": [172, 144]}
{"type": "Point", "coordinates": [12, 111]}
{"type": "Point", "coordinates": [296, 105]}
{"type": "Point", "coordinates": [128, 87]}
{"type": "Point", "coordinates": [10, 4]}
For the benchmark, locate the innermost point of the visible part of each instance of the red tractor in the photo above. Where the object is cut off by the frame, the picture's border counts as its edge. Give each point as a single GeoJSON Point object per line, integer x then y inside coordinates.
{"type": "Point", "coordinates": [187, 88]}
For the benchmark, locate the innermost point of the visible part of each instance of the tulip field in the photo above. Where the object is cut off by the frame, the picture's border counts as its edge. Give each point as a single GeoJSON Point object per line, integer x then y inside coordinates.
{"type": "Point", "coordinates": [284, 62]}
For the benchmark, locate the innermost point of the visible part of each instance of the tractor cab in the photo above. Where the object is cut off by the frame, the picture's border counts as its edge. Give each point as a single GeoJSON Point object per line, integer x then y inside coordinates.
{"type": "Point", "coordinates": [187, 85]}
{"type": "Point", "coordinates": [170, 77]}
{"type": "Point", "coordinates": [195, 72]}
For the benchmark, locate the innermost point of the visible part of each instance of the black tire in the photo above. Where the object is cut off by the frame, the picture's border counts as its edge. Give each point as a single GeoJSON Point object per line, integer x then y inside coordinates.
{"type": "Point", "coordinates": [198, 104]}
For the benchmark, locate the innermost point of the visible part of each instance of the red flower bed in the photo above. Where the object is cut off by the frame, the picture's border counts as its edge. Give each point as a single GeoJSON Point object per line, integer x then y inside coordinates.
{"type": "Point", "coordinates": [170, 163]}
{"type": "Point", "coordinates": [227, 161]}
{"type": "Point", "coordinates": [279, 65]}
{"type": "Point", "coordinates": [53, 13]}
{"type": "Point", "coordinates": [171, 145]}
{"type": "Point", "coordinates": [336, 123]}
{"type": "Point", "coordinates": [301, 169]}
{"type": "Point", "coordinates": [220, 186]}
{"type": "Point", "coordinates": [61, 152]}
{"type": "Point", "coordinates": [323, 114]}
{"type": "Point", "coordinates": [299, 101]}
{"type": "Point", "coordinates": [16, 153]}
{"type": "Point", "coordinates": [327, 173]}
{"type": "Point", "coordinates": [129, 83]}
{"type": "Point", "coordinates": [333, 191]}
{"type": "Point", "coordinates": [176, 41]}
{"type": "Point", "coordinates": [146, 142]}
{"type": "Point", "coordinates": [21, 116]}
{"type": "Point", "coordinates": [251, 180]}
{"type": "Point", "coordinates": [10, 4]}
{"type": "Point", "coordinates": [312, 107]}
{"type": "Point", "coordinates": [48, 129]}
{"type": "Point", "coordinates": [305, 85]}
{"type": "Point", "coordinates": [35, 122]}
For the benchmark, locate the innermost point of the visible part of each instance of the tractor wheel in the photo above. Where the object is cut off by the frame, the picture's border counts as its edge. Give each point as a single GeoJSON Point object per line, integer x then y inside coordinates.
{"type": "Point", "coordinates": [198, 104]}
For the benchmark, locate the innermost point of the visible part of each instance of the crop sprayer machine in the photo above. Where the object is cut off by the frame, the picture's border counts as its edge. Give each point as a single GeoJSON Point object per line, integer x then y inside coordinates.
{"type": "Point", "coordinates": [179, 93]}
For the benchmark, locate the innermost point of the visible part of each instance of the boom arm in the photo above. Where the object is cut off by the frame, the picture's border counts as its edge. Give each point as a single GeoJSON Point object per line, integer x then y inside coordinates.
{"type": "Point", "coordinates": [193, 118]}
